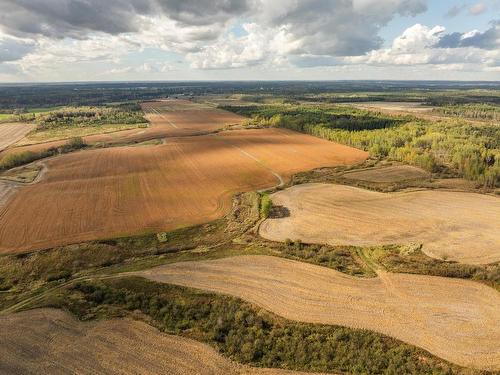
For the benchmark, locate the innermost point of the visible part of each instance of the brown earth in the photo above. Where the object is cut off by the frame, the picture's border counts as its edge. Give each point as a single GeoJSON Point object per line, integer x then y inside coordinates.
{"type": "Point", "coordinates": [395, 173]}
{"type": "Point", "coordinates": [458, 226]}
{"type": "Point", "coordinates": [10, 133]}
{"type": "Point", "coordinates": [456, 320]}
{"type": "Point", "coordinates": [47, 341]}
{"type": "Point", "coordinates": [168, 118]}
{"type": "Point", "coordinates": [118, 191]}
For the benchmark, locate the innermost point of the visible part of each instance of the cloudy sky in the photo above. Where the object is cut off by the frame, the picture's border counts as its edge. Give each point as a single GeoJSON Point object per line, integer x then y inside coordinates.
{"type": "Point", "coordinates": [96, 40]}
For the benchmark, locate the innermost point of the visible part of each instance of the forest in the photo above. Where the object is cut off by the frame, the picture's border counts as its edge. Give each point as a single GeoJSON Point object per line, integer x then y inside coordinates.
{"type": "Point", "coordinates": [469, 150]}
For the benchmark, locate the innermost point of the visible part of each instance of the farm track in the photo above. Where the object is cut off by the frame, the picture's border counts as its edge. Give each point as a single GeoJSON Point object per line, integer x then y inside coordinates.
{"type": "Point", "coordinates": [53, 342]}
{"type": "Point", "coordinates": [10, 133]}
{"type": "Point", "coordinates": [188, 180]}
{"type": "Point", "coordinates": [459, 226]}
{"type": "Point", "coordinates": [456, 320]}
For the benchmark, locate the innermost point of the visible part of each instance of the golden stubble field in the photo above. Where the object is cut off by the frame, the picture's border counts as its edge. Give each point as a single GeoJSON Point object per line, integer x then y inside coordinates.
{"type": "Point", "coordinates": [10, 133]}
{"type": "Point", "coordinates": [464, 227]}
{"type": "Point", "coordinates": [454, 319]}
{"type": "Point", "coordinates": [53, 342]}
{"type": "Point", "coordinates": [118, 191]}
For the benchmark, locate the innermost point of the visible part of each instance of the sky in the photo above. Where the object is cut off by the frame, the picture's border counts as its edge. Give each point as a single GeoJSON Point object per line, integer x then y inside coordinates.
{"type": "Point", "coordinates": [126, 40]}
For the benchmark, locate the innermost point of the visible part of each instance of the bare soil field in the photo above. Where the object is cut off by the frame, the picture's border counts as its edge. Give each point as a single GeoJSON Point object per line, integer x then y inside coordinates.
{"type": "Point", "coordinates": [120, 191]}
{"type": "Point", "coordinates": [288, 152]}
{"type": "Point", "coordinates": [167, 118]}
{"type": "Point", "coordinates": [395, 173]}
{"type": "Point", "coordinates": [458, 226]}
{"type": "Point", "coordinates": [10, 133]}
{"type": "Point", "coordinates": [125, 190]}
{"type": "Point", "coordinates": [456, 320]}
{"type": "Point", "coordinates": [7, 189]}
{"type": "Point", "coordinates": [53, 342]}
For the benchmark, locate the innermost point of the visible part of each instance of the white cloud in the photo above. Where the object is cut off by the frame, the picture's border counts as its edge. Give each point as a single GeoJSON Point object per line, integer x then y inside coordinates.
{"type": "Point", "coordinates": [259, 45]}
{"type": "Point", "coordinates": [420, 45]}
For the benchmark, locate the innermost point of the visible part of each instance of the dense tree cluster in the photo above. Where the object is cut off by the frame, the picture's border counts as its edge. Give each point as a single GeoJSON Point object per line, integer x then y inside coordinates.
{"type": "Point", "coordinates": [473, 151]}
{"type": "Point", "coordinates": [90, 116]}
{"type": "Point", "coordinates": [471, 111]}
{"type": "Point", "coordinates": [253, 336]}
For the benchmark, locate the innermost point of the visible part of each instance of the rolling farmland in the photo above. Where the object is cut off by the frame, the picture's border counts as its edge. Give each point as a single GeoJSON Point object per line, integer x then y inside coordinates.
{"type": "Point", "coordinates": [127, 190]}
{"type": "Point", "coordinates": [447, 317]}
{"type": "Point", "coordinates": [10, 133]}
{"type": "Point", "coordinates": [105, 347]}
{"type": "Point", "coordinates": [458, 226]}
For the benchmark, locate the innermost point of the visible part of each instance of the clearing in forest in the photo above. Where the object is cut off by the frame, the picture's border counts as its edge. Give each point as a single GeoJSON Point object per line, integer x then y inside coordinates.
{"type": "Point", "coordinates": [446, 317]}
{"type": "Point", "coordinates": [458, 226]}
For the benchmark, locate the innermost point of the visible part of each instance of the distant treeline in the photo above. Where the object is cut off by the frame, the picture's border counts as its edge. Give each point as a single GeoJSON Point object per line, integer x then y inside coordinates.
{"type": "Point", "coordinates": [471, 111]}
{"type": "Point", "coordinates": [471, 150]}
{"type": "Point", "coordinates": [90, 116]}
{"type": "Point", "coordinates": [77, 94]}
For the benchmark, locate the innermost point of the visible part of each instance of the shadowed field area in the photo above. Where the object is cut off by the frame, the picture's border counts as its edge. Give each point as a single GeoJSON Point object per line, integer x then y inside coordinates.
{"type": "Point", "coordinates": [444, 316]}
{"type": "Point", "coordinates": [53, 342]}
{"type": "Point", "coordinates": [457, 226]}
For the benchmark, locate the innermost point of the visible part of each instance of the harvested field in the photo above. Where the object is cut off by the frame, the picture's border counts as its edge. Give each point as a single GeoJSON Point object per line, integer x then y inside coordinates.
{"type": "Point", "coordinates": [288, 152]}
{"type": "Point", "coordinates": [12, 132]}
{"type": "Point", "coordinates": [456, 320]}
{"type": "Point", "coordinates": [129, 190]}
{"type": "Point", "coordinates": [396, 173]}
{"type": "Point", "coordinates": [53, 342]}
{"type": "Point", "coordinates": [458, 226]}
{"type": "Point", "coordinates": [168, 118]}
{"type": "Point", "coordinates": [124, 190]}
{"type": "Point", "coordinates": [7, 189]}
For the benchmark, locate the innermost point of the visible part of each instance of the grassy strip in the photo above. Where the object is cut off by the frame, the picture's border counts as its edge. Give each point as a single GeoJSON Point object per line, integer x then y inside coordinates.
{"type": "Point", "coordinates": [25, 275]}
{"type": "Point", "coordinates": [26, 157]}
{"type": "Point", "coordinates": [411, 259]}
{"type": "Point", "coordinates": [245, 333]}
{"type": "Point", "coordinates": [47, 135]}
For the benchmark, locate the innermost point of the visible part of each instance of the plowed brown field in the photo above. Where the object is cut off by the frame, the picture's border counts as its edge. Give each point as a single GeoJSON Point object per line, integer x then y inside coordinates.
{"type": "Point", "coordinates": [464, 227]}
{"type": "Point", "coordinates": [457, 320]}
{"type": "Point", "coordinates": [52, 342]}
{"type": "Point", "coordinates": [11, 133]}
{"type": "Point", "coordinates": [128, 190]}
{"type": "Point", "coordinates": [168, 118]}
